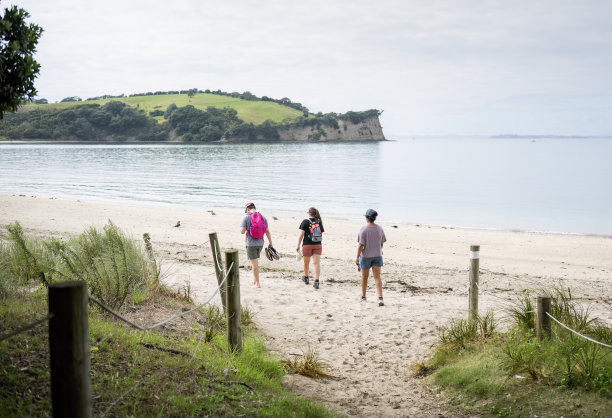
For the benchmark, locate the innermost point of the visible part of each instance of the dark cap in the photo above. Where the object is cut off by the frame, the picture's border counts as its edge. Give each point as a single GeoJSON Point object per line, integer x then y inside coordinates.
{"type": "Point", "coordinates": [371, 212]}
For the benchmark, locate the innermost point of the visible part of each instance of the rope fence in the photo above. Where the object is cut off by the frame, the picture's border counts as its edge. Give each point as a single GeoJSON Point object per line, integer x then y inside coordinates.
{"type": "Point", "coordinates": [172, 318]}
{"type": "Point", "coordinates": [25, 328]}
{"type": "Point", "coordinates": [543, 302]}
{"type": "Point", "coordinates": [576, 332]}
{"type": "Point", "coordinates": [230, 318]}
{"type": "Point", "coordinates": [69, 337]}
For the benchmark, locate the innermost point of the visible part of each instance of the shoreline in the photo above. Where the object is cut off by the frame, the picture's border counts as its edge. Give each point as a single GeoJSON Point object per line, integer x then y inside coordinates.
{"type": "Point", "coordinates": [174, 142]}
{"type": "Point", "coordinates": [369, 348]}
{"type": "Point", "coordinates": [281, 212]}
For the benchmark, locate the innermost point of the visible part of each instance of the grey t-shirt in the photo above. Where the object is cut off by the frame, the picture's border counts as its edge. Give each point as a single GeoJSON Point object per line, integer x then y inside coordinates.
{"type": "Point", "coordinates": [371, 237]}
{"type": "Point", "coordinates": [250, 241]}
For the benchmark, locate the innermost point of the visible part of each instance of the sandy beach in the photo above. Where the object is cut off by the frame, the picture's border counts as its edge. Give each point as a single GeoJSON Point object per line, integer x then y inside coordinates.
{"type": "Point", "coordinates": [369, 348]}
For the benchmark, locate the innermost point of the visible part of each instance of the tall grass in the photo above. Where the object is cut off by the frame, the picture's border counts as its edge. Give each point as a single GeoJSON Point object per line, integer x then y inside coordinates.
{"type": "Point", "coordinates": [22, 259]}
{"type": "Point", "coordinates": [113, 265]}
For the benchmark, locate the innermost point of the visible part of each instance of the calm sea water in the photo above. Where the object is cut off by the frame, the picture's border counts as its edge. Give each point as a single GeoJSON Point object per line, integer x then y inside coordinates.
{"type": "Point", "coordinates": [554, 185]}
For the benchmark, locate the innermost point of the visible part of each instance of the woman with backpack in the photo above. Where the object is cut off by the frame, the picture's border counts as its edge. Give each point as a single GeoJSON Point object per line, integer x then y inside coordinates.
{"type": "Point", "coordinates": [311, 236]}
{"type": "Point", "coordinates": [369, 254]}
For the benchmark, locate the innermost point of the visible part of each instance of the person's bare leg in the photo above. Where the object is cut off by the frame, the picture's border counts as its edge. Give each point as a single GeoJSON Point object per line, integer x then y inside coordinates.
{"type": "Point", "coordinates": [306, 266]}
{"type": "Point", "coordinates": [316, 260]}
{"type": "Point", "coordinates": [376, 273]}
{"type": "Point", "coordinates": [255, 266]}
{"type": "Point", "coordinates": [365, 273]}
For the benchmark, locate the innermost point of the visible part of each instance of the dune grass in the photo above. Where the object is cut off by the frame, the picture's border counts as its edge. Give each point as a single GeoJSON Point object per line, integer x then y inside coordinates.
{"type": "Point", "coordinates": [511, 373]}
{"type": "Point", "coordinates": [255, 112]}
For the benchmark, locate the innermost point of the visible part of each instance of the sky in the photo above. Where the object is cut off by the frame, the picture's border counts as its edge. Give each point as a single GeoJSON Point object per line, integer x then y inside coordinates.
{"type": "Point", "coordinates": [434, 67]}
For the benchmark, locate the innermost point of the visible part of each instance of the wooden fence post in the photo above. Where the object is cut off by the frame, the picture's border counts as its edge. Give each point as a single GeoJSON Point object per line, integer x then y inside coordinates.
{"type": "Point", "coordinates": [473, 294]}
{"type": "Point", "coordinates": [542, 319]}
{"type": "Point", "coordinates": [218, 262]}
{"type": "Point", "coordinates": [69, 350]}
{"type": "Point", "coordinates": [234, 332]}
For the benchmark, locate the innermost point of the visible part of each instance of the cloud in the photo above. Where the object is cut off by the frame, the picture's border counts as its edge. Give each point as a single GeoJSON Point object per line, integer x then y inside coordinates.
{"type": "Point", "coordinates": [422, 62]}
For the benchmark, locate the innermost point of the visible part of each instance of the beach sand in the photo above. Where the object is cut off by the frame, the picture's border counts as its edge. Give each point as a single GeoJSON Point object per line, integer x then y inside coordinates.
{"type": "Point", "coordinates": [369, 348]}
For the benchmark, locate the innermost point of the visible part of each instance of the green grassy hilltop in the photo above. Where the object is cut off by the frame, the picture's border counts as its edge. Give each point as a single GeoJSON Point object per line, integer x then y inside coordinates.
{"type": "Point", "coordinates": [250, 111]}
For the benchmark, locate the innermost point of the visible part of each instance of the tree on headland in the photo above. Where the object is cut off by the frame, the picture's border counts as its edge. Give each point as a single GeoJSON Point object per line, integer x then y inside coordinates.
{"type": "Point", "coordinates": [71, 99]}
{"type": "Point", "coordinates": [18, 69]}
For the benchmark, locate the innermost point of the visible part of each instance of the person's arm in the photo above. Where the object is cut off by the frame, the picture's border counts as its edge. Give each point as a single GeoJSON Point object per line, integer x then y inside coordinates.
{"type": "Point", "coordinates": [300, 239]}
{"type": "Point", "coordinates": [360, 248]}
{"type": "Point", "coordinates": [243, 225]}
{"type": "Point", "coordinates": [269, 237]}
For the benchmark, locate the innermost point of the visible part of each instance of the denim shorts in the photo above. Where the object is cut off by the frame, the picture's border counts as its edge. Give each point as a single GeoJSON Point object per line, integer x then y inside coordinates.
{"type": "Point", "coordinates": [367, 262]}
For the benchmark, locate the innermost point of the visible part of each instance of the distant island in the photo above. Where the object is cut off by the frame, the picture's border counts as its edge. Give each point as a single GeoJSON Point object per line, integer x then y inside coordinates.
{"type": "Point", "coordinates": [546, 136]}
{"type": "Point", "coordinates": [186, 116]}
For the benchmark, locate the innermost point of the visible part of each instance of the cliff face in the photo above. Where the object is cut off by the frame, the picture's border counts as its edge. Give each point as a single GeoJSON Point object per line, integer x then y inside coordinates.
{"type": "Point", "coordinates": [368, 130]}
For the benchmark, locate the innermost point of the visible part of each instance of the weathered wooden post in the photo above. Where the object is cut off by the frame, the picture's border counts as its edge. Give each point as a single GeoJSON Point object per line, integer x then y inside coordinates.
{"type": "Point", "coordinates": [218, 262]}
{"type": "Point", "coordinates": [69, 349]}
{"type": "Point", "coordinates": [542, 319]}
{"type": "Point", "coordinates": [474, 266]}
{"type": "Point", "coordinates": [234, 332]}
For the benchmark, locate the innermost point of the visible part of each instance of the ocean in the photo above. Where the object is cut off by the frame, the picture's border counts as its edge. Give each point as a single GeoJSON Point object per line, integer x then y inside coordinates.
{"type": "Point", "coordinates": [541, 185]}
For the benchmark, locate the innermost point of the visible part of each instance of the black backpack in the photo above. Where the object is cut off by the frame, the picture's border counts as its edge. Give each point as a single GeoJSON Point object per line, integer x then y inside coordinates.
{"type": "Point", "coordinates": [315, 232]}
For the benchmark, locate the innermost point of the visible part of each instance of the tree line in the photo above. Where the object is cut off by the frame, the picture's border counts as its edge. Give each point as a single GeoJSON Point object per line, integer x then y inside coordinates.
{"type": "Point", "coordinates": [247, 95]}
{"type": "Point", "coordinates": [118, 121]}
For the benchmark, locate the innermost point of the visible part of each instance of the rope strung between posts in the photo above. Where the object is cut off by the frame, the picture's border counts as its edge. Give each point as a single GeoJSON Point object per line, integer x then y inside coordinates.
{"type": "Point", "coordinates": [576, 332]}
{"type": "Point", "coordinates": [159, 324]}
{"type": "Point", "coordinates": [25, 328]}
{"type": "Point", "coordinates": [217, 252]}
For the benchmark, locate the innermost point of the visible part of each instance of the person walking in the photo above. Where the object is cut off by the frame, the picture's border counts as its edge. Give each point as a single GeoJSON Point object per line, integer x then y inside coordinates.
{"type": "Point", "coordinates": [369, 254]}
{"type": "Point", "coordinates": [255, 226]}
{"type": "Point", "coordinates": [311, 236]}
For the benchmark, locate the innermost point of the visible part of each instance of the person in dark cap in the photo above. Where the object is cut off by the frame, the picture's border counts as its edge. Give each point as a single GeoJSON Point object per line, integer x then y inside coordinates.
{"type": "Point", "coordinates": [369, 254]}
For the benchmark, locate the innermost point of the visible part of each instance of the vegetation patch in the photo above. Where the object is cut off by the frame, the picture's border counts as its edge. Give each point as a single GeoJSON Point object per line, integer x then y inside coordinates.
{"type": "Point", "coordinates": [182, 369]}
{"type": "Point", "coordinates": [512, 373]}
{"type": "Point", "coordinates": [308, 364]}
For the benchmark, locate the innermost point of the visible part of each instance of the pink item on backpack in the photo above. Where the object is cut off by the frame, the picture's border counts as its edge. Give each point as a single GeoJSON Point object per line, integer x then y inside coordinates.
{"type": "Point", "coordinates": [258, 225]}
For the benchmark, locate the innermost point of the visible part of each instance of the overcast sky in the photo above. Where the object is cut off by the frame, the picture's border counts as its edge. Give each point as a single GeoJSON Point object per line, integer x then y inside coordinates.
{"type": "Point", "coordinates": [435, 67]}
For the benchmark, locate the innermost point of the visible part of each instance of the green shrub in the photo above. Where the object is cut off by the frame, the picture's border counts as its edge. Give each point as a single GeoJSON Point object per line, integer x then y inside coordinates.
{"type": "Point", "coordinates": [459, 334]}
{"type": "Point", "coordinates": [22, 259]}
{"type": "Point", "coordinates": [523, 312]}
{"type": "Point", "coordinates": [113, 265]}
{"type": "Point", "coordinates": [522, 354]}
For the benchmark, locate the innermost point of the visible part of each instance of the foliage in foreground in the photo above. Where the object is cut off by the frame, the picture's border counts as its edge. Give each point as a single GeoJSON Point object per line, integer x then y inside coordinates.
{"type": "Point", "coordinates": [171, 373]}
{"type": "Point", "coordinates": [514, 374]}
